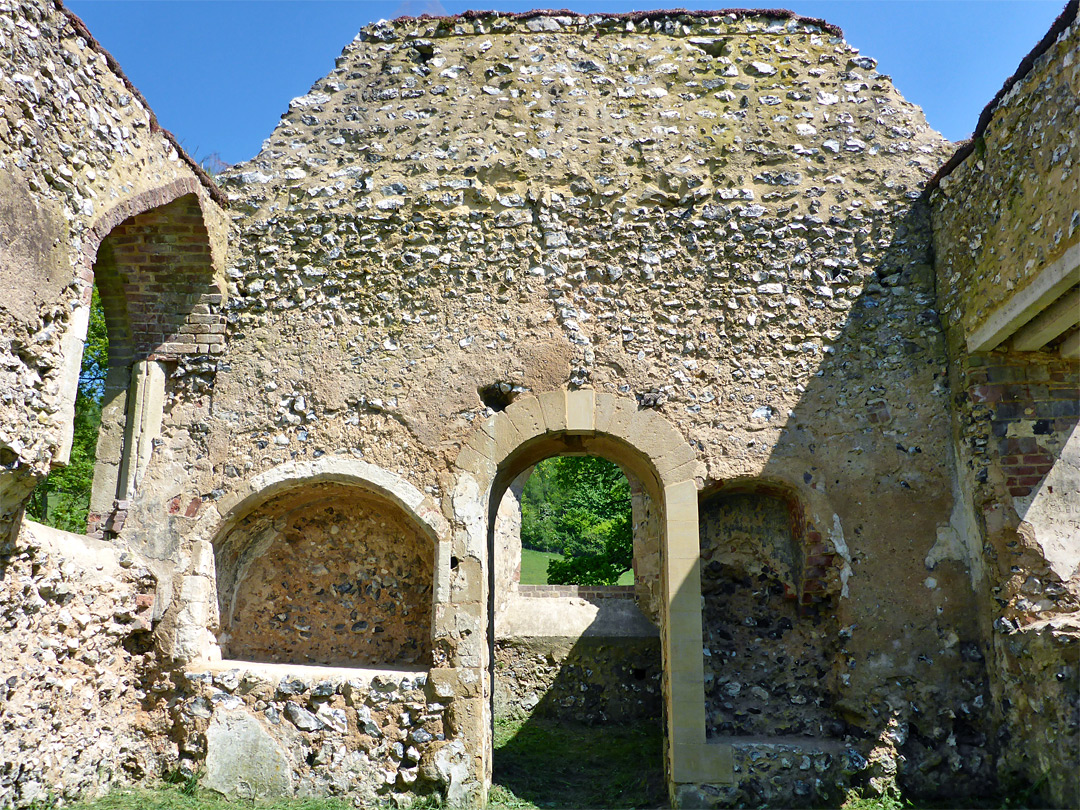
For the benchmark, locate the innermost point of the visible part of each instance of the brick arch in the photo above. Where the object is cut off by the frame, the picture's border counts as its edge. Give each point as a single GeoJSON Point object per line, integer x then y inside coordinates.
{"type": "Point", "coordinates": [132, 206]}
{"type": "Point", "coordinates": [155, 275]}
{"type": "Point", "coordinates": [640, 439]}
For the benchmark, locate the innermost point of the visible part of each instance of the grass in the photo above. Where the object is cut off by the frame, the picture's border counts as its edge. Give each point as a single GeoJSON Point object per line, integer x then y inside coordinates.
{"type": "Point", "coordinates": [538, 765]}
{"type": "Point", "coordinates": [173, 798]}
{"type": "Point", "coordinates": [538, 768]}
{"type": "Point", "coordinates": [534, 567]}
{"type": "Point", "coordinates": [889, 801]}
{"type": "Point", "coordinates": [555, 764]}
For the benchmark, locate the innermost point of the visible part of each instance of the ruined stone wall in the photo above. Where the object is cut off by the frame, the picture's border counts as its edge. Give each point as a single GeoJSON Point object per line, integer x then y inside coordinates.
{"type": "Point", "coordinates": [1010, 208]}
{"type": "Point", "coordinates": [260, 731]}
{"type": "Point", "coordinates": [78, 709]}
{"type": "Point", "coordinates": [718, 215]}
{"type": "Point", "coordinates": [596, 681]}
{"type": "Point", "coordinates": [1002, 217]}
{"type": "Point", "coordinates": [79, 152]}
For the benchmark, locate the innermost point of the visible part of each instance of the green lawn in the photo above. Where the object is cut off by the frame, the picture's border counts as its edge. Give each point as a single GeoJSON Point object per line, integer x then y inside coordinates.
{"type": "Point", "coordinates": [172, 798]}
{"type": "Point", "coordinates": [541, 763]}
{"type": "Point", "coordinates": [538, 765]}
{"type": "Point", "coordinates": [534, 567]}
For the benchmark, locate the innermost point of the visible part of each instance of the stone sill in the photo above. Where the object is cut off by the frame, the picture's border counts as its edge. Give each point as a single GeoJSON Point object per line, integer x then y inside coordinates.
{"type": "Point", "coordinates": [275, 672]}
{"type": "Point", "coordinates": [581, 591]}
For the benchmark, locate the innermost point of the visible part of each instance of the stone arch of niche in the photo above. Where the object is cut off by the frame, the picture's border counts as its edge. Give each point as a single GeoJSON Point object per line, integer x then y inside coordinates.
{"type": "Point", "coordinates": [642, 441]}
{"type": "Point", "coordinates": [798, 568]}
{"type": "Point", "coordinates": [159, 272]}
{"type": "Point", "coordinates": [207, 587]}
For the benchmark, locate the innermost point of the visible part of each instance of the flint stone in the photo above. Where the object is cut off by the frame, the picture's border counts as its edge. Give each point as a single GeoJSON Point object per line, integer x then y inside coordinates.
{"type": "Point", "coordinates": [243, 760]}
{"type": "Point", "coordinates": [333, 718]}
{"type": "Point", "coordinates": [302, 718]}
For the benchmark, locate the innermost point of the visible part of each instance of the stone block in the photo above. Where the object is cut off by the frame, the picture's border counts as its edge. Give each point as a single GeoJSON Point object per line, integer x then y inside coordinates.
{"type": "Point", "coordinates": [243, 761]}
{"type": "Point", "coordinates": [553, 405]}
{"type": "Point", "coordinates": [579, 411]}
{"type": "Point", "coordinates": [528, 416]}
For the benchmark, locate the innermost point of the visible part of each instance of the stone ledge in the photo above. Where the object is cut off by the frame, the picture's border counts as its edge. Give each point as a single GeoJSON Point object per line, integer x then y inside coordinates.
{"type": "Point", "coordinates": [273, 672]}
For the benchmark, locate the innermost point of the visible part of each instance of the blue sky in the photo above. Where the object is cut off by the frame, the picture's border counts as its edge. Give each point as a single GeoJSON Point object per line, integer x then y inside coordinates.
{"type": "Point", "coordinates": [219, 73]}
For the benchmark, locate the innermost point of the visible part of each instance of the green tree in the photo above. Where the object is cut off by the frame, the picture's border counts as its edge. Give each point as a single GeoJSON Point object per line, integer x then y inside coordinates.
{"type": "Point", "coordinates": [63, 498]}
{"type": "Point", "coordinates": [539, 506]}
{"type": "Point", "coordinates": [579, 506]}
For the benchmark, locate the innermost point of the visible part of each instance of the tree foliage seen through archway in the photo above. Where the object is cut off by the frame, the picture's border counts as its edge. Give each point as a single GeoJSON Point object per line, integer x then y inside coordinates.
{"type": "Point", "coordinates": [579, 506]}
{"type": "Point", "coordinates": [63, 498]}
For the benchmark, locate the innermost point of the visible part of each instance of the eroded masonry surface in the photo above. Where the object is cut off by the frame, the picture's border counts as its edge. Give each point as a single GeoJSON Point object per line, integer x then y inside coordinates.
{"type": "Point", "coordinates": [838, 368]}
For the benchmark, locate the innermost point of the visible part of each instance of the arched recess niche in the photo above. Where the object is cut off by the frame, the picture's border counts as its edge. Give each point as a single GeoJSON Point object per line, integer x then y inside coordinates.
{"type": "Point", "coordinates": [769, 629]}
{"type": "Point", "coordinates": [644, 443]}
{"type": "Point", "coordinates": [329, 563]}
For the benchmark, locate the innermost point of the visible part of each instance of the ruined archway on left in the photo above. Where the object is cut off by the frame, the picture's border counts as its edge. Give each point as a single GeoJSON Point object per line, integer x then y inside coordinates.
{"type": "Point", "coordinates": [156, 268]}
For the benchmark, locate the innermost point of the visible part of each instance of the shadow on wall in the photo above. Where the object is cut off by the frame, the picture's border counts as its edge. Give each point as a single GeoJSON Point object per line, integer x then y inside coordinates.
{"type": "Point", "coordinates": [867, 449]}
{"type": "Point", "coordinates": [768, 664]}
{"type": "Point", "coordinates": [578, 703]}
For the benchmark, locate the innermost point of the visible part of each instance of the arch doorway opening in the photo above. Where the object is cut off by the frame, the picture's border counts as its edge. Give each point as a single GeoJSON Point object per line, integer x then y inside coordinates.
{"type": "Point", "coordinates": [577, 701]}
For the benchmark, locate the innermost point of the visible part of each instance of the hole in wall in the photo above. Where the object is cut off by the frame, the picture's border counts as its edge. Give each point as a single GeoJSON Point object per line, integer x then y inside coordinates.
{"type": "Point", "coordinates": [453, 563]}
{"type": "Point", "coordinates": [497, 396]}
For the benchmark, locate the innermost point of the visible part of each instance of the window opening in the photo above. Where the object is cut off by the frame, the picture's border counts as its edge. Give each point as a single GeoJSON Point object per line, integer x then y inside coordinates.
{"type": "Point", "coordinates": [151, 299]}
{"type": "Point", "coordinates": [62, 499]}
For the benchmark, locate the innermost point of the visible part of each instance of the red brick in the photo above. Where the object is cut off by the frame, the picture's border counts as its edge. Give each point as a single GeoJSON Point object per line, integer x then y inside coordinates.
{"type": "Point", "coordinates": [1018, 471]}
{"type": "Point", "coordinates": [986, 393]}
